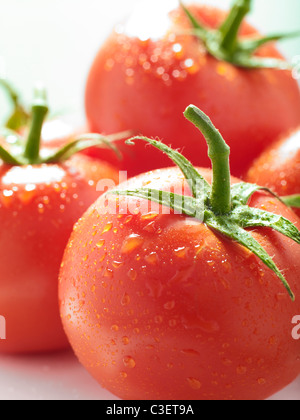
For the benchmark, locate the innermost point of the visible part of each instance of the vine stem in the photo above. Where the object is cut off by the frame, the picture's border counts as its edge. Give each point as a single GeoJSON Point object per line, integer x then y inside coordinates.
{"type": "Point", "coordinates": [230, 28]}
{"type": "Point", "coordinates": [39, 112]}
{"type": "Point", "coordinates": [218, 152]}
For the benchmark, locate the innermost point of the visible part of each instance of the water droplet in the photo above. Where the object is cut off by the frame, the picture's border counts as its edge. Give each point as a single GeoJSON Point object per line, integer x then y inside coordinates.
{"type": "Point", "coordinates": [241, 370]}
{"type": "Point", "coordinates": [108, 273]}
{"type": "Point", "coordinates": [115, 328]}
{"type": "Point", "coordinates": [152, 258]}
{"type": "Point", "coordinates": [169, 305]}
{"type": "Point", "coordinates": [158, 319]}
{"type": "Point", "coordinates": [107, 228]}
{"type": "Point", "coordinates": [227, 362]}
{"type": "Point", "coordinates": [131, 244]}
{"type": "Point", "coordinates": [272, 340]}
{"type": "Point", "coordinates": [117, 264]}
{"type": "Point", "coordinates": [132, 274]}
{"type": "Point", "coordinates": [129, 362]}
{"type": "Point", "coordinates": [100, 243]}
{"type": "Point", "coordinates": [190, 352]}
{"type": "Point", "coordinates": [125, 300]}
{"type": "Point", "coordinates": [194, 383]}
{"type": "Point", "coordinates": [123, 375]}
{"type": "Point", "coordinates": [261, 381]}
{"type": "Point", "coordinates": [181, 252]}
{"type": "Point", "coordinates": [125, 341]}
{"type": "Point", "coordinates": [149, 216]}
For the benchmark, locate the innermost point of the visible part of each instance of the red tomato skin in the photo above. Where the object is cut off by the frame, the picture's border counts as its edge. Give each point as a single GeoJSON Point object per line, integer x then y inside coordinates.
{"type": "Point", "coordinates": [59, 131]}
{"type": "Point", "coordinates": [163, 308]}
{"type": "Point", "coordinates": [278, 168]}
{"type": "Point", "coordinates": [146, 85]}
{"type": "Point", "coordinates": [38, 208]}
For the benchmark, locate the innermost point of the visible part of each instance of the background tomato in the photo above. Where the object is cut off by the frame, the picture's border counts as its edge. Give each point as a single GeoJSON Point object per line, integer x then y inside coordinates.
{"type": "Point", "coordinates": [39, 204]}
{"type": "Point", "coordinates": [279, 167]}
{"type": "Point", "coordinates": [140, 80]}
{"type": "Point", "coordinates": [38, 208]}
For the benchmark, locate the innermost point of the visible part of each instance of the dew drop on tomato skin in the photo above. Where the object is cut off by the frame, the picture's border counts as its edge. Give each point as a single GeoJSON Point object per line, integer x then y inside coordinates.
{"type": "Point", "coordinates": [131, 244]}
{"type": "Point", "coordinates": [129, 362]}
{"type": "Point", "coordinates": [194, 383]}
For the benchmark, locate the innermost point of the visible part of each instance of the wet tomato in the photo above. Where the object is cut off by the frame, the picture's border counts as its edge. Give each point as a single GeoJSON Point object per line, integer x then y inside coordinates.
{"type": "Point", "coordinates": [40, 201]}
{"type": "Point", "coordinates": [150, 69]}
{"type": "Point", "coordinates": [158, 304]}
{"type": "Point", "coordinates": [279, 167]}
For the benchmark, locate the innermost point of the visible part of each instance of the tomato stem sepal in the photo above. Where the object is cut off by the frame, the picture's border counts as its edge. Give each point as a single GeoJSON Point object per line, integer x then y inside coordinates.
{"type": "Point", "coordinates": [26, 151]}
{"type": "Point", "coordinates": [224, 43]}
{"type": "Point", "coordinates": [292, 200]}
{"type": "Point", "coordinates": [20, 117]}
{"type": "Point", "coordinates": [227, 212]}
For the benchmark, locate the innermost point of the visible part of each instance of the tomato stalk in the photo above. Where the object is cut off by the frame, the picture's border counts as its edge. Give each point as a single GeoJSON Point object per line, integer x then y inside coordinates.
{"type": "Point", "coordinates": [230, 28]}
{"type": "Point", "coordinates": [218, 152]}
{"type": "Point", "coordinates": [16, 154]}
{"type": "Point", "coordinates": [39, 111]}
{"type": "Point", "coordinates": [225, 207]}
{"type": "Point", "coordinates": [224, 43]}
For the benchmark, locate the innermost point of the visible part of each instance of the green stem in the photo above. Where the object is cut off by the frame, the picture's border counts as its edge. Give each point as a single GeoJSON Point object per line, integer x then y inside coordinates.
{"type": "Point", "coordinates": [292, 200]}
{"type": "Point", "coordinates": [39, 112]}
{"type": "Point", "coordinates": [10, 91]}
{"type": "Point", "coordinates": [218, 152]}
{"type": "Point", "coordinates": [230, 28]}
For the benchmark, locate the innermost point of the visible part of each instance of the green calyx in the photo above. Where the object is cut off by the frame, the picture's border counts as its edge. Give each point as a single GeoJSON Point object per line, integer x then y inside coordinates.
{"type": "Point", "coordinates": [222, 207]}
{"type": "Point", "coordinates": [19, 151]}
{"type": "Point", "coordinates": [224, 43]}
{"type": "Point", "coordinates": [292, 201]}
{"type": "Point", "coordinates": [20, 116]}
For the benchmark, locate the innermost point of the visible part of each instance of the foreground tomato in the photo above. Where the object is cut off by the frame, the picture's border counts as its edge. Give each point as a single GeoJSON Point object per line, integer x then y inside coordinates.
{"type": "Point", "coordinates": [42, 195]}
{"type": "Point", "coordinates": [159, 305]}
{"type": "Point", "coordinates": [279, 168]}
{"type": "Point", "coordinates": [151, 68]}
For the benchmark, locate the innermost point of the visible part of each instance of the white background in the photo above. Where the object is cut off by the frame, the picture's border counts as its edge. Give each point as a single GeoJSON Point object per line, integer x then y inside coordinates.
{"type": "Point", "coordinates": [56, 40]}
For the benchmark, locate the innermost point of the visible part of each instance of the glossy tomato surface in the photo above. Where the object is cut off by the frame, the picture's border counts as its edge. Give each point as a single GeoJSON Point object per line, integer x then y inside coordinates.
{"type": "Point", "coordinates": [38, 208]}
{"type": "Point", "coordinates": [148, 72]}
{"type": "Point", "coordinates": [60, 130]}
{"type": "Point", "coordinates": [158, 306]}
{"type": "Point", "coordinates": [279, 167]}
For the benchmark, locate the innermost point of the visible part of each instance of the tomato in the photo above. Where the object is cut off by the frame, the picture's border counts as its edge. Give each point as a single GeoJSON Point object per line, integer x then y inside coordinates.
{"type": "Point", "coordinates": [39, 204]}
{"type": "Point", "coordinates": [158, 305]}
{"type": "Point", "coordinates": [278, 167]}
{"type": "Point", "coordinates": [149, 69]}
{"type": "Point", "coordinates": [59, 130]}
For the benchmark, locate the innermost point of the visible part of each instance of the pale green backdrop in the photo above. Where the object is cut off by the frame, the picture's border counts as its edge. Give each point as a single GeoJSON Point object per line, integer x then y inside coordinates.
{"type": "Point", "coordinates": [56, 40]}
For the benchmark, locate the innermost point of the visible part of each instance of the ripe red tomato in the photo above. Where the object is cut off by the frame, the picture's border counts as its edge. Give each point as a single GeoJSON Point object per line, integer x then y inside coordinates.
{"type": "Point", "coordinates": [278, 168]}
{"type": "Point", "coordinates": [165, 295]}
{"type": "Point", "coordinates": [142, 79]}
{"type": "Point", "coordinates": [39, 204]}
{"type": "Point", "coordinates": [160, 307]}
